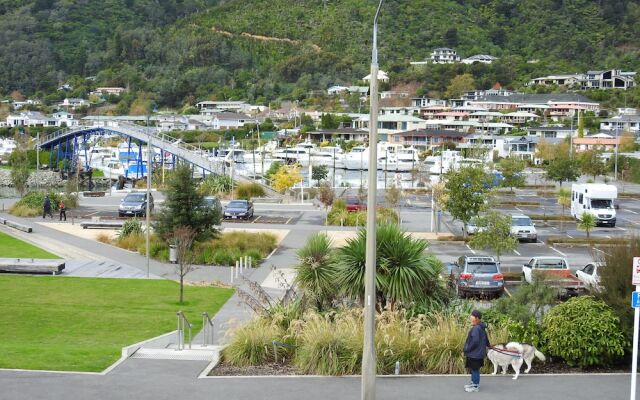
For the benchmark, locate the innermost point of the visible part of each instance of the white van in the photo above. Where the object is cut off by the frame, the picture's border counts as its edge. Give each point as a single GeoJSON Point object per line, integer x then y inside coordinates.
{"type": "Point", "coordinates": [522, 228]}
{"type": "Point", "coordinates": [595, 198]}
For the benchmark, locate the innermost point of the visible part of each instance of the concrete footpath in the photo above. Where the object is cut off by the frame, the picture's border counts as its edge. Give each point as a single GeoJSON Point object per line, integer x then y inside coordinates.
{"type": "Point", "coordinates": [152, 380]}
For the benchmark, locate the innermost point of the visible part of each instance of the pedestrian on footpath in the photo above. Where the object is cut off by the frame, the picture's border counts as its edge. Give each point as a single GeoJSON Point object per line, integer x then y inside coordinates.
{"type": "Point", "coordinates": [475, 350]}
{"type": "Point", "coordinates": [46, 208]}
{"type": "Point", "coordinates": [63, 210]}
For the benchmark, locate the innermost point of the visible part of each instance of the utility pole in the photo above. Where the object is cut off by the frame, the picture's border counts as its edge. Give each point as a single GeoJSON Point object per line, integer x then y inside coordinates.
{"type": "Point", "coordinates": [148, 210]}
{"type": "Point", "coordinates": [368, 349]}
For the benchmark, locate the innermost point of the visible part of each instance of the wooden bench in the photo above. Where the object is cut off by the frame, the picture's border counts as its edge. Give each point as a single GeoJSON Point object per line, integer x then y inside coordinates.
{"type": "Point", "coordinates": [16, 225]}
{"type": "Point", "coordinates": [31, 265]}
{"type": "Point", "coordinates": [101, 224]}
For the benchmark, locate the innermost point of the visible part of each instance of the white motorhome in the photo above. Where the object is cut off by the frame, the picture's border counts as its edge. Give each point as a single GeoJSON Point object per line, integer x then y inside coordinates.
{"type": "Point", "coordinates": [595, 198]}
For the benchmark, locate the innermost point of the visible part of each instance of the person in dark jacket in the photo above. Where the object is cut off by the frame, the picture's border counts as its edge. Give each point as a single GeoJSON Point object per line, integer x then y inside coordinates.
{"type": "Point", "coordinates": [46, 208]}
{"type": "Point", "coordinates": [475, 349]}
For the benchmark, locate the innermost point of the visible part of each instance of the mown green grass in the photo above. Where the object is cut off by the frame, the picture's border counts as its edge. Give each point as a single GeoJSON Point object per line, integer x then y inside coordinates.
{"type": "Point", "coordinates": [81, 324]}
{"type": "Point", "coordinates": [11, 247]}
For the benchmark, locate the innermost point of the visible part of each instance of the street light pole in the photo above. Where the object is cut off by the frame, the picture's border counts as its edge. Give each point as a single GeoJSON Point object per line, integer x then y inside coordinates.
{"type": "Point", "coordinates": [615, 174]}
{"type": "Point", "coordinates": [368, 349]}
{"type": "Point", "coordinates": [148, 211]}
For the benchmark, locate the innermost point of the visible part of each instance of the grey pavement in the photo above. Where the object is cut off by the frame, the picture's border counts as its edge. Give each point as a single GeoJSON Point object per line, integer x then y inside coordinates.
{"type": "Point", "coordinates": [152, 379]}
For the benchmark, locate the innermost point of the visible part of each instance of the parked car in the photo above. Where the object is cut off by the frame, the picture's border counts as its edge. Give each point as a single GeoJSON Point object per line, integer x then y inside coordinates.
{"type": "Point", "coordinates": [211, 202]}
{"type": "Point", "coordinates": [477, 276]}
{"type": "Point", "coordinates": [556, 272]}
{"type": "Point", "coordinates": [135, 204]}
{"type": "Point", "coordinates": [522, 228]}
{"type": "Point", "coordinates": [590, 274]}
{"type": "Point", "coordinates": [238, 209]}
{"type": "Point", "coordinates": [355, 204]}
{"type": "Point", "coordinates": [472, 227]}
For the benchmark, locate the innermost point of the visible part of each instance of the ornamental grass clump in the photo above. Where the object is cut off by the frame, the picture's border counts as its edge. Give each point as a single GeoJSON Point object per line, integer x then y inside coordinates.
{"type": "Point", "coordinates": [252, 343]}
{"type": "Point", "coordinates": [329, 344]}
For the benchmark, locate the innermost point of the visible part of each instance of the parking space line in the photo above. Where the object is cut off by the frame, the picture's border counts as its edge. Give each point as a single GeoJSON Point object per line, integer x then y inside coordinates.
{"type": "Point", "coordinates": [256, 220]}
{"type": "Point", "coordinates": [632, 212]}
{"type": "Point", "coordinates": [596, 249]}
{"type": "Point", "coordinates": [473, 251]}
{"type": "Point", "coordinates": [622, 229]}
{"type": "Point", "coordinates": [516, 251]}
{"type": "Point", "coordinates": [517, 208]}
{"type": "Point", "coordinates": [608, 236]}
{"type": "Point", "coordinates": [287, 223]}
{"type": "Point", "coordinates": [569, 236]}
{"type": "Point", "coordinates": [558, 251]}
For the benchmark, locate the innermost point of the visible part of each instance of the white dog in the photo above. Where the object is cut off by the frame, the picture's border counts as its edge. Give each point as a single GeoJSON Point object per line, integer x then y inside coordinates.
{"type": "Point", "coordinates": [513, 354]}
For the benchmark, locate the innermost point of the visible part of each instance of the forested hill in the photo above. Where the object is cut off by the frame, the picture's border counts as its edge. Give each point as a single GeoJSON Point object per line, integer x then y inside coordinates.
{"type": "Point", "coordinates": [260, 50]}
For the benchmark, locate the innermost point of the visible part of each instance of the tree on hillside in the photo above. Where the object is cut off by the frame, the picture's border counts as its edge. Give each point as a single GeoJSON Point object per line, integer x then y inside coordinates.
{"type": "Point", "coordinates": [511, 169]}
{"type": "Point", "coordinates": [466, 193]}
{"type": "Point", "coordinates": [591, 163]}
{"type": "Point", "coordinates": [183, 207]}
{"type": "Point", "coordinates": [494, 233]}
{"type": "Point", "coordinates": [460, 84]}
{"type": "Point", "coordinates": [562, 169]}
{"type": "Point", "coordinates": [20, 163]}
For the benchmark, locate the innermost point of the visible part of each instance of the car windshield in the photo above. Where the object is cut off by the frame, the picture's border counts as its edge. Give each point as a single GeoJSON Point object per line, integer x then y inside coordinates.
{"type": "Point", "coordinates": [238, 204]}
{"type": "Point", "coordinates": [521, 221]}
{"type": "Point", "coordinates": [133, 198]}
{"type": "Point", "coordinates": [601, 203]}
{"type": "Point", "coordinates": [353, 200]}
{"type": "Point", "coordinates": [482, 268]}
{"type": "Point", "coordinates": [209, 202]}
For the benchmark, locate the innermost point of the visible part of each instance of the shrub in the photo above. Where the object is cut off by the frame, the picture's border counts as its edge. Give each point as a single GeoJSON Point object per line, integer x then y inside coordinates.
{"type": "Point", "coordinates": [130, 227]}
{"type": "Point", "coordinates": [249, 190]}
{"type": "Point", "coordinates": [215, 184]}
{"type": "Point", "coordinates": [132, 242]}
{"type": "Point", "coordinates": [583, 332]}
{"type": "Point", "coordinates": [30, 205]}
{"type": "Point", "coordinates": [21, 210]}
{"type": "Point", "coordinates": [251, 344]}
{"type": "Point", "coordinates": [614, 282]}
{"type": "Point", "coordinates": [103, 238]}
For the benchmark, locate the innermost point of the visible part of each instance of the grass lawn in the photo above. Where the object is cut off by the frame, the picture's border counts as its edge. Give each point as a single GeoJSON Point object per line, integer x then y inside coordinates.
{"type": "Point", "coordinates": [81, 324]}
{"type": "Point", "coordinates": [11, 247]}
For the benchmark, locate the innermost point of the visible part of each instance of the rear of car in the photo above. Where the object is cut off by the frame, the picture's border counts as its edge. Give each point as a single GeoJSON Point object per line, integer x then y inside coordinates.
{"type": "Point", "coordinates": [479, 276]}
{"type": "Point", "coordinates": [354, 204]}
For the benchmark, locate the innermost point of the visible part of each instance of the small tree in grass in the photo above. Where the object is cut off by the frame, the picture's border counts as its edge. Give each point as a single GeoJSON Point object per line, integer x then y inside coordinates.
{"type": "Point", "coordinates": [587, 222]}
{"type": "Point", "coordinates": [494, 232]}
{"type": "Point", "coordinates": [319, 172]}
{"type": "Point", "coordinates": [326, 196]}
{"type": "Point", "coordinates": [564, 199]}
{"type": "Point", "coordinates": [20, 163]}
{"type": "Point", "coordinates": [511, 169]}
{"type": "Point", "coordinates": [183, 238]}
{"type": "Point", "coordinates": [393, 196]}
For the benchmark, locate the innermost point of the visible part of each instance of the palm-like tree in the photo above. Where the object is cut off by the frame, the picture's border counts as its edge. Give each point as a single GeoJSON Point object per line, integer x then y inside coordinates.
{"type": "Point", "coordinates": [315, 272]}
{"type": "Point", "coordinates": [564, 199]}
{"type": "Point", "coordinates": [404, 273]}
{"type": "Point", "coordinates": [587, 222]}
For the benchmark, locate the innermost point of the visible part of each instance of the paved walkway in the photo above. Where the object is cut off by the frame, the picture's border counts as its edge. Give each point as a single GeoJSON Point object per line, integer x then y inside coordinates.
{"type": "Point", "coordinates": [152, 379]}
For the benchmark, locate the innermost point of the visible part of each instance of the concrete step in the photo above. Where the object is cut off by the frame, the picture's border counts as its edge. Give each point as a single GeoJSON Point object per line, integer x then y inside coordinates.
{"type": "Point", "coordinates": [196, 353]}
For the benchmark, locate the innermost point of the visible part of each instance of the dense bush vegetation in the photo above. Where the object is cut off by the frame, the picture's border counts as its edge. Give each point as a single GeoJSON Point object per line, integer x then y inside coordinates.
{"type": "Point", "coordinates": [32, 203]}
{"type": "Point", "coordinates": [583, 332]}
{"type": "Point", "coordinates": [249, 190]}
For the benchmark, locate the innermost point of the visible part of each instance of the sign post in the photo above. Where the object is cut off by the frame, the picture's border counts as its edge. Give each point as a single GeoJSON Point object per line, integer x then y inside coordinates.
{"type": "Point", "coordinates": [636, 323]}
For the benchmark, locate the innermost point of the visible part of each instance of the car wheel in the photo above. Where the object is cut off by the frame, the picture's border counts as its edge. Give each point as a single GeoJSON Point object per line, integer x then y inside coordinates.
{"type": "Point", "coordinates": [523, 279]}
{"type": "Point", "coordinates": [120, 215]}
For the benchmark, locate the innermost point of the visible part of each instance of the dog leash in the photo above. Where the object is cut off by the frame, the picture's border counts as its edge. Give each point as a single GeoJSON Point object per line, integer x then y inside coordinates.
{"type": "Point", "coordinates": [506, 352]}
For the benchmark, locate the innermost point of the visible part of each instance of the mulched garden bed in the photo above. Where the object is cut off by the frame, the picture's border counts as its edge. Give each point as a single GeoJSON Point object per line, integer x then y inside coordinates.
{"type": "Point", "coordinates": [273, 369]}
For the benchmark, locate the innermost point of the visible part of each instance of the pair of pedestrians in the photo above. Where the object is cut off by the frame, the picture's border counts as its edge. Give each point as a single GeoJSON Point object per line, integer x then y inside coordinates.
{"type": "Point", "coordinates": [47, 209]}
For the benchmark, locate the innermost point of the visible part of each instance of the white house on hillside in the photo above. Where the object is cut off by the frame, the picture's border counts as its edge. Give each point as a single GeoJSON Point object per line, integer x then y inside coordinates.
{"type": "Point", "coordinates": [444, 55]}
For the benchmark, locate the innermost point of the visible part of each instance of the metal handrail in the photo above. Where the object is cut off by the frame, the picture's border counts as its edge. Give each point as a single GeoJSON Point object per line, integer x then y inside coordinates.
{"type": "Point", "coordinates": [207, 329]}
{"type": "Point", "coordinates": [182, 323]}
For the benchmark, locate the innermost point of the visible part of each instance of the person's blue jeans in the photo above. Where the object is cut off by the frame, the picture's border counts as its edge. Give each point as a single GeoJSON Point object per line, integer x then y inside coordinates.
{"type": "Point", "coordinates": [475, 376]}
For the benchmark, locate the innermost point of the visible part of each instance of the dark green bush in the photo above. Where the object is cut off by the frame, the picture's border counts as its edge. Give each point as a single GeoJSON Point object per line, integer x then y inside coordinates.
{"type": "Point", "coordinates": [583, 332]}
{"type": "Point", "coordinates": [130, 227]}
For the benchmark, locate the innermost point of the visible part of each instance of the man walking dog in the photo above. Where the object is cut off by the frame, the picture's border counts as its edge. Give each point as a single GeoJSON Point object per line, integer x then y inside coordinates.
{"type": "Point", "coordinates": [475, 349]}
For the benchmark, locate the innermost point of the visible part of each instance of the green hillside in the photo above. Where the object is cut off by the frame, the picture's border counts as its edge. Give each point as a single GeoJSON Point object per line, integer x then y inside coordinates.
{"type": "Point", "coordinates": [263, 50]}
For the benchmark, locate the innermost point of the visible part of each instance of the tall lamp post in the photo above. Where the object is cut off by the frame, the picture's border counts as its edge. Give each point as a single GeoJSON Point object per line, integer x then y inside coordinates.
{"type": "Point", "coordinates": [368, 349]}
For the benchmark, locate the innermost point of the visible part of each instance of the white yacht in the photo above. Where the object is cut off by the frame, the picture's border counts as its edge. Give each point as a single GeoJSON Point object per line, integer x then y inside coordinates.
{"type": "Point", "coordinates": [394, 157]}
{"type": "Point", "coordinates": [330, 156]}
{"type": "Point", "coordinates": [357, 158]}
{"type": "Point", "coordinates": [112, 168]}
